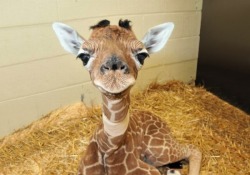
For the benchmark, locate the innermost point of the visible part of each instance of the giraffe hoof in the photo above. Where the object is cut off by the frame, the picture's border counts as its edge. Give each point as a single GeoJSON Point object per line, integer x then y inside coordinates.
{"type": "Point", "coordinates": [173, 172]}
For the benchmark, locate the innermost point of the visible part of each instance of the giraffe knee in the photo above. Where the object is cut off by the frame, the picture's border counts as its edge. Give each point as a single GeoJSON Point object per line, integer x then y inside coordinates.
{"type": "Point", "coordinates": [192, 153]}
{"type": "Point", "coordinates": [196, 155]}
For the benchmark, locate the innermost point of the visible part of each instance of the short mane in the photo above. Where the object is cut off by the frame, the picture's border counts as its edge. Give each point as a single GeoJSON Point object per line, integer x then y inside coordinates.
{"type": "Point", "coordinates": [103, 23]}
{"type": "Point", "coordinates": [125, 24]}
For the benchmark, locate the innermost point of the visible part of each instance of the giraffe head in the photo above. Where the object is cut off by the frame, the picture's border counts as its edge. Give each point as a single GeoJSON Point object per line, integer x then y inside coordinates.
{"type": "Point", "coordinates": [113, 55]}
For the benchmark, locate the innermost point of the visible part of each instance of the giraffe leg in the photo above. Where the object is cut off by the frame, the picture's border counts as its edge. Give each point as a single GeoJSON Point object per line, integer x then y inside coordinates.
{"type": "Point", "coordinates": [141, 168]}
{"type": "Point", "coordinates": [122, 162]}
{"type": "Point", "coordinates": [194, 156]}
{"type": "Point", "coordinates": [145, 169]}
{"type": "Point", "coordinates": [162, 148]}
{"type": "Point", "coordinates": [176, 152]}
{"type": "Point", "coordinates": [91, 163]}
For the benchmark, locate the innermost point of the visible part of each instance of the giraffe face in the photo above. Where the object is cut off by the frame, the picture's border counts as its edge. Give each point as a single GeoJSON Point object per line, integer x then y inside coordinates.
{"type": "Point", "coordinates": [112, 55]}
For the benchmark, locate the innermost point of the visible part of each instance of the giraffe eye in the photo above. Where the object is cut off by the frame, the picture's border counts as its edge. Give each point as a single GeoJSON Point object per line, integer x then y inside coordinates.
{"type": "Point", "coordinates": [84, 57]}
{"type": "Point", "coordinates": [141, 57]}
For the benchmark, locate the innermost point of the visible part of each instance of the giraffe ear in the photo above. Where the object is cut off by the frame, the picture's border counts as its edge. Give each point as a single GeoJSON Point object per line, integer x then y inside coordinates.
{"type": "Point", "coordinates": [156, 37]}
{"type": "Point", "coordinates": [70, 40]}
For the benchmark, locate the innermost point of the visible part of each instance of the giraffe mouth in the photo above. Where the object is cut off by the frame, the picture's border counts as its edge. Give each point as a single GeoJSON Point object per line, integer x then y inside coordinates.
{"type": "Point", "coordinates": [114, 84]}
{"type": "Point", "coordinates": [116, 95]}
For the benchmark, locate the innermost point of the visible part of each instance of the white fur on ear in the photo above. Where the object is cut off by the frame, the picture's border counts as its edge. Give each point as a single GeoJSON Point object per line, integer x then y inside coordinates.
{"type": "Point", "coordinates": [70, 40]}
{"type": "Point", "coordinates": [156, 37]}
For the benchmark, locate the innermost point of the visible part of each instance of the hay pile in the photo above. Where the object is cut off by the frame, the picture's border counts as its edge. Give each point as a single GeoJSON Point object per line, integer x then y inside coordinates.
{"type": "Point", "coordinates": [55, 143]}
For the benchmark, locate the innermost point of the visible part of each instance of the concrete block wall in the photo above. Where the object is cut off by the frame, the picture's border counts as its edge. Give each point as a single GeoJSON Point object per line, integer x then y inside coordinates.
{"type": "Point", "coordinates": [37, 75]}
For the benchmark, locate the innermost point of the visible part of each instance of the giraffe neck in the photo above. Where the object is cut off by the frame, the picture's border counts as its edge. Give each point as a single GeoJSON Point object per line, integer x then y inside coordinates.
{"type": "Point", "coordinates": [115, 114]}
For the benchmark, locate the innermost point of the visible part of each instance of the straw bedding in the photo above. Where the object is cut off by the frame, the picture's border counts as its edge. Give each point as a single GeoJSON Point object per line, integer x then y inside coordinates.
{"type": "Point", "coordinates": [55, 143]}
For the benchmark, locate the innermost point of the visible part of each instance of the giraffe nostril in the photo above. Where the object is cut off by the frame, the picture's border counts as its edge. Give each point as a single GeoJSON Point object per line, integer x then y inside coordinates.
{"type": "Point", "coordinates": [105, 68]}
{"type": "Point", "coordinates": [125, 68]}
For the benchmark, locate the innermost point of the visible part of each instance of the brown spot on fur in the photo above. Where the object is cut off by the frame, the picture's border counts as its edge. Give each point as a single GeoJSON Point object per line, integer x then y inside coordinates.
{"type": "Point", "coordinates": [89, 158]}
{"type": "Point", "coordinates": [120, 105]}
{"type": "Point", "coordinates": [156, 141]}
{"type": "Point", "coordinates": [130, 143]}
{"type": "Point", "coordinates": [98, 169]}
{"type": "Point", "coordinates": [120, 115]}
{"type": "Point", "coordinates": [106, 112]}
{"type": "Point", "coordinates": [117, 157]}
{"type": "Point", "coordinates": [117, 140]}
{"type": "Point", "coordinates": [119, 169]}
{"type": "Point", "coordinates": [138, 172]}
{"type": "Point", "coordinates": [131, 161]}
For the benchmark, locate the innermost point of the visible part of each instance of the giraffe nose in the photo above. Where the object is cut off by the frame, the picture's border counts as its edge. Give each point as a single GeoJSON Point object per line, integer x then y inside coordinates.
{"type": "Point", "coordinates": [113, 64]}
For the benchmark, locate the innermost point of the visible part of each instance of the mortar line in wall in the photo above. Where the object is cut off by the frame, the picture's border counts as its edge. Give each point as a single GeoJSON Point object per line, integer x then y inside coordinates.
{"type": "Point", "coordinates": [173, 63]}
{"type": "Point", "coordinates": [27, 25]}
{"type": "Point", "coordinates": [128, 15]}
{"type": "Point", "coordinates": [82, 83]}
{"type": "Point", "coordinates": [48, 91]}
{"type": "Point", "coordinates": [35, 60]}
{"type": "Point", "coordinates": [92, 17]}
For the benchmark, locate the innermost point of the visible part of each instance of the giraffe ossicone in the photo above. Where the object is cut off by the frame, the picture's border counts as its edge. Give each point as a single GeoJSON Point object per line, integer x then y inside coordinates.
{"type": "Point", "coordinates": [125, 143]}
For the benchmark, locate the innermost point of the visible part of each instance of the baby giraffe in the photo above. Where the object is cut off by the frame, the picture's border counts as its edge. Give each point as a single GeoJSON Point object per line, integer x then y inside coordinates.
{"type": "Point", "coordinates": [125, 143]}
